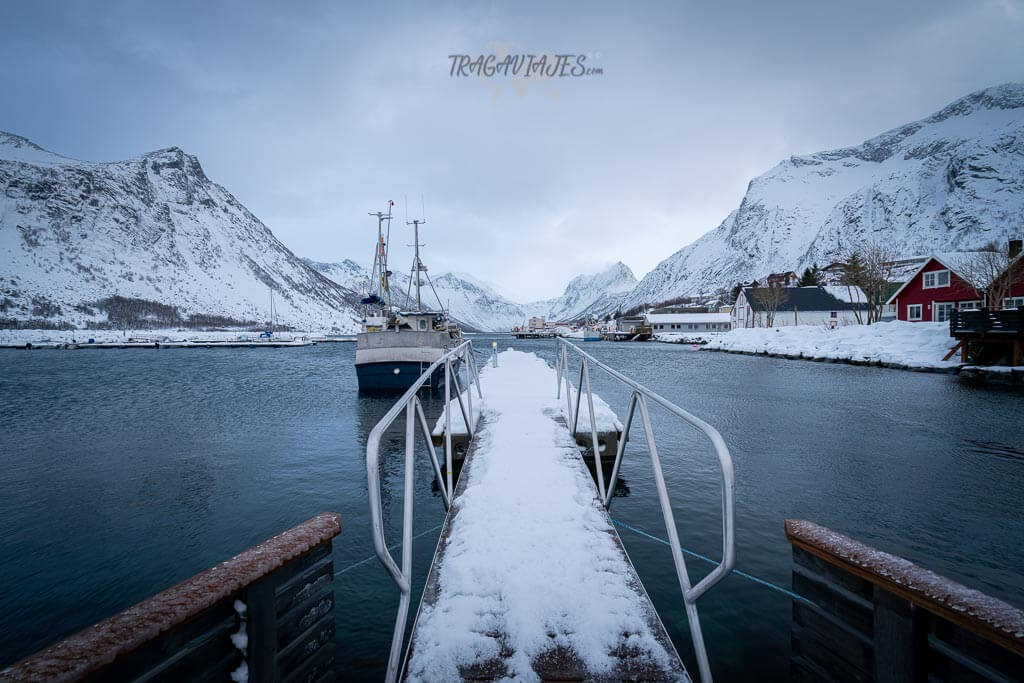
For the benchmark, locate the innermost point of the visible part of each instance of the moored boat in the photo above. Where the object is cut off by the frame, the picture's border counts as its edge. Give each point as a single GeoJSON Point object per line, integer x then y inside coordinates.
{"type": "Point", "coordinates": [396, 346]}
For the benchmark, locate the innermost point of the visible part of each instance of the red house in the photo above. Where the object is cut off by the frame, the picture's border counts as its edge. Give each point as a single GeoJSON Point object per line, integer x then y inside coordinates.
{"type": "Point", "coordinates": [936, 289]}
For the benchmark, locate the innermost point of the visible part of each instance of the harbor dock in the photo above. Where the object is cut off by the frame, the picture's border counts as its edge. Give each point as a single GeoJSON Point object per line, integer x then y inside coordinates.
{"type": "Point", "coordinates": [552, 595]}
{"type": "Point", "coordinates": [530, 578]}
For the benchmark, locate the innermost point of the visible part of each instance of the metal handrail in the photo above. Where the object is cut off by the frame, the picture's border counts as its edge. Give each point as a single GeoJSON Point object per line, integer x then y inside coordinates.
{"type": "Point", "coordinates": [640, 396]}
{"type": "Point", "coordinates": [414, 415]}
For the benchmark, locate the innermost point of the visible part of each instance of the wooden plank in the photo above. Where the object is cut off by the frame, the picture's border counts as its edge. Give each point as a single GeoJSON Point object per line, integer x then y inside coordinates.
{"type": "Point", "coordinates": [826, 597]}
{"type": "Point", "coordinates": [164, 653]}
{"type": "Point", "coordinates": [943, 636]}
{"type": "Point", "coordinates": [261, 630]}
{"type": "Point", "coordinates": [991, 619]}
{"type": "Point", "coordinates": [314, 579]}
{"type": "Point", "coordinates": [319, 667]}
{"type": "Point", "coordinates": [953, 350]}
{"type": "Point", "coordinates": [899, 639]}
{"type": "Point", "coordinates": [294, 573]}
{"type": "Point", "coordinates": [291, 624]}
{"type": "Point", "coordinates": [855, 589]}
{"type": "Point", "coordinates": [306, 645]}
{"type": "Point", "coordinates": [816, 630]}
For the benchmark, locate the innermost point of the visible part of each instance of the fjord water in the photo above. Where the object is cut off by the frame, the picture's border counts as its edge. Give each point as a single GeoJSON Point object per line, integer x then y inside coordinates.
{"type": "Point", "coordinates": [126, 471]}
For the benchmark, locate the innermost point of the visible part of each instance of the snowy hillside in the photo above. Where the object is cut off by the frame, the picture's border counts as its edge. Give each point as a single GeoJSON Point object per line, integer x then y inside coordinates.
{"type": "Point", "coordinates": [147, 240]}
{"type": "Point", "coordinates": [952, 181]}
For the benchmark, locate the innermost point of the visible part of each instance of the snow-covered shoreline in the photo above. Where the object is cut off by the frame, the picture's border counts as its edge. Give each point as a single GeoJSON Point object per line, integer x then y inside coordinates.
{"type": "Point", "coordinates": [896, 344]}
{"type": "Point", "coordinates": [36, 337]}
{"type": "Point", "coordinates": [685, 338]}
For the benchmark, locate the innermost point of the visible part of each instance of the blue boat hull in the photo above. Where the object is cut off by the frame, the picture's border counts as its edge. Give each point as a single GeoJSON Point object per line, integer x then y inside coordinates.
{"type": "Point", "coordinates": [395, 376]}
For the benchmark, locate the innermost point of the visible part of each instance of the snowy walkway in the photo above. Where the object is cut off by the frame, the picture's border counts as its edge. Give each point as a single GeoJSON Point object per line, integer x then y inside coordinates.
{"type": "Point", "coordinates": [531, 580]}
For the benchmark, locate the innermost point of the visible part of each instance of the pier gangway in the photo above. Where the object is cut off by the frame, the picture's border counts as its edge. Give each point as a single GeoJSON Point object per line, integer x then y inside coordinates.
{"type": "Point", "coordinates": [529, 577]}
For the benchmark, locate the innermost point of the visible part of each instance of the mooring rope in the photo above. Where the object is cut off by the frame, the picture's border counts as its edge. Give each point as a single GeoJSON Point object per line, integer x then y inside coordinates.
{"type": "Point", "coordinates": [641, 532]}
{"type": "Point", "coordinates": [390, 547]}
{"type": "Point", "coordinates": [745, 575]}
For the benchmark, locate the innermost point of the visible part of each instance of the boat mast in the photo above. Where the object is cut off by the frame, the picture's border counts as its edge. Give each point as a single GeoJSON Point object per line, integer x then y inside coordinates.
{"type": "Point", "coordinates": [380, 259]}
{"type": "Point", "coordinates": [417, 264]}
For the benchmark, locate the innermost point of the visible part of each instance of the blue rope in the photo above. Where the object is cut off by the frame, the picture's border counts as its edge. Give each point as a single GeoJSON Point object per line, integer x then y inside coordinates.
{"type": "Point", "coordinates": [390, 547]}
{"type": "Point", "coordinates": [745, 575]}
{"type": "Point", "coordinates": [641, 532]}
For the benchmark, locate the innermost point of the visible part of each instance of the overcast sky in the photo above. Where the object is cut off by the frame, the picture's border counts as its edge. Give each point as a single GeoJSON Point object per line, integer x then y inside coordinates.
{"type": "Point", "coordinates": [312, 116]}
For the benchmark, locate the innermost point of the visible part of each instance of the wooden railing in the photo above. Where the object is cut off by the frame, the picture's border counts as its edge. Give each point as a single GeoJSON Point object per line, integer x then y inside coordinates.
{"type": "Point", "coordinates": [983, 321]}
{"type": "Point", "coordinates": [871, 616]}
{"type": "Point", "coordinates": [264, 615]}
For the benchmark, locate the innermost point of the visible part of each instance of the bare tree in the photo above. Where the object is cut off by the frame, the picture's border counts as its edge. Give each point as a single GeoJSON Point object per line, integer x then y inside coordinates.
{"type": "Point", "coordinates": [991, 272]}
{"type": "Point", "coordinates": [768, 300]}
{"type": "Point", "coordinates": [869, 266]}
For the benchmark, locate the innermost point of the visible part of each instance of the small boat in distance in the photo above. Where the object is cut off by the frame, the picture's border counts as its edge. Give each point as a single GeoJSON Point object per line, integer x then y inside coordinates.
{"type": "Point", "coordinates": [396, 346]}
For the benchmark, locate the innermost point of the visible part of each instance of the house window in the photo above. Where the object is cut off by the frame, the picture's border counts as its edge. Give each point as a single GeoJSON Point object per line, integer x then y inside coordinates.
{"type": "Point", "coordinates": [969, 305]}
{"type": "Point", "coordinates": [423, 324]}
{"type": "Point", "coordinates": [914, 312]}
{"type": "Point", "coordinates": [1014, 302]}
{"type": "Point", "coordinates": [936, 279]}
{"type": "Point", "coordinates": [942, 311]}
{"type": "Point", "coordinates": [833, 314]}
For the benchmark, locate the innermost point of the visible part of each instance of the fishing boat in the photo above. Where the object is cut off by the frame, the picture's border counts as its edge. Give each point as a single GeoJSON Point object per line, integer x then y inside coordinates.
{"type": "Point", "coordinates": [396, 345]}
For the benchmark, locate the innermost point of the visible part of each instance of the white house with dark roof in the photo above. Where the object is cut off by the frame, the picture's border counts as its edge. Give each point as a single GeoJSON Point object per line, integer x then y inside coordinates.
{"type": "Point", "coordinates": [831, 306]}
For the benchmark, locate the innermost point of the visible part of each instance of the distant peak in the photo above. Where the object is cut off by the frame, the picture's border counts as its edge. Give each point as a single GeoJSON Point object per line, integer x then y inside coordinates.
{"type": "Point", "coordinates": [13, 140]}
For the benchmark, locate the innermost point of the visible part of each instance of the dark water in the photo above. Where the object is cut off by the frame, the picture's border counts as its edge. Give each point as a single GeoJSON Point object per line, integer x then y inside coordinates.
{"type": "Point", "coordinates": [125, 471]}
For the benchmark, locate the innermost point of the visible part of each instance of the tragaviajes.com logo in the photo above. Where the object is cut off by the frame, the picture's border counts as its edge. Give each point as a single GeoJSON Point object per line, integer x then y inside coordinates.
{"type": "Point", "coordinates": [522, 66]}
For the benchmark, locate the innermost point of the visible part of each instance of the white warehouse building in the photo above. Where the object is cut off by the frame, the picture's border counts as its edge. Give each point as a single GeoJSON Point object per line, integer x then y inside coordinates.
{"type": "Point", "coordinates": [689, 323]}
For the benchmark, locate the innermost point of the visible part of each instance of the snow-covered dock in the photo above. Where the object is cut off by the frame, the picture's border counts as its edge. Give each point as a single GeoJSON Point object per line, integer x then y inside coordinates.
{"type": "Point", "coordinates": [530, 580]}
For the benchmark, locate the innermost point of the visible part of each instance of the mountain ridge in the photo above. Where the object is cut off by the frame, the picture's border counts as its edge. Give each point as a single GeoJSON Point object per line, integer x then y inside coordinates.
{"type": "Point", "coordinates": [953, 180]}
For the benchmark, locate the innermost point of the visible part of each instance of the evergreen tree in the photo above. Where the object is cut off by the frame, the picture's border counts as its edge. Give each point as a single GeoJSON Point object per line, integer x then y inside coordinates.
{"type": "Point", "coordinates": [812, 277]}
{"type": "Point", "coordinates": [735, 293]}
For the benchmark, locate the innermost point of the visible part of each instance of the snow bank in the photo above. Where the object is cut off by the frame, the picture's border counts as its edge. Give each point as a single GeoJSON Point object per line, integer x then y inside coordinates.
{"type": "Point", "coordinates": [530, 553]}
{"type": "Point", "coordinates": [22, 337]}
{"type": "Point", "coordinates": [910, 345]}
{"type": "Point", "coordinates": [684, 338]}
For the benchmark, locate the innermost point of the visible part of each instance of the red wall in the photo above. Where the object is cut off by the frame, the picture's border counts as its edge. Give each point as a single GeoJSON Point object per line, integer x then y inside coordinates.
{"type": "Point", "coordinates": [915, 293]}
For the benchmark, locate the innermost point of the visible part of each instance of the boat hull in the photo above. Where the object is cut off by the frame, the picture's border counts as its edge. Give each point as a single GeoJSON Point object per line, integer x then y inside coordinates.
{"type": "Point", "coordinates": [394, 375]}
{"type": "Point", "coordinates": [393, 361]}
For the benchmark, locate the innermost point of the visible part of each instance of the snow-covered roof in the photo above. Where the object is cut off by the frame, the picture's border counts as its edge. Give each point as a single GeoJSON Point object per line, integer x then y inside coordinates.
{"type": "Point", "coordinates": [688, 318]}
{"type": "Point", "coordinates": [950, 259]}
{"type": "Point", "coordinates": [848, 294]}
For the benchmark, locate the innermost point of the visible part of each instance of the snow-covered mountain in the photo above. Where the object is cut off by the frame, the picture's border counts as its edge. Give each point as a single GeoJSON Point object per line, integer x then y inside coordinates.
{"type": "Point", "coordinates": [589, 296]}
{"type": "Point", "coordinates": [479, 306]}
{"type": "Point", "coordinates": [150, 239]}
{"type": "Point", "coordinates": [951, 182]}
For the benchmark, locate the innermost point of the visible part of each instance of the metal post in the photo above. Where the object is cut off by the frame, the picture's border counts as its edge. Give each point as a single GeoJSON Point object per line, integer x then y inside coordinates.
{"type": "Point", "coordinates": [677, 554]}
{"type": "Point", "coordinates": [448, 422]}
{"type": "Point", "coordinates": [407, 509]}
{"type": "Point", "coordinates": [593, 432]}
{"type": "Point", "coordinates": [433, 455]}
{"type": "Point", "coordinates": [579, 395]}
{"type": "Point", "coordinates": [620, 451]}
